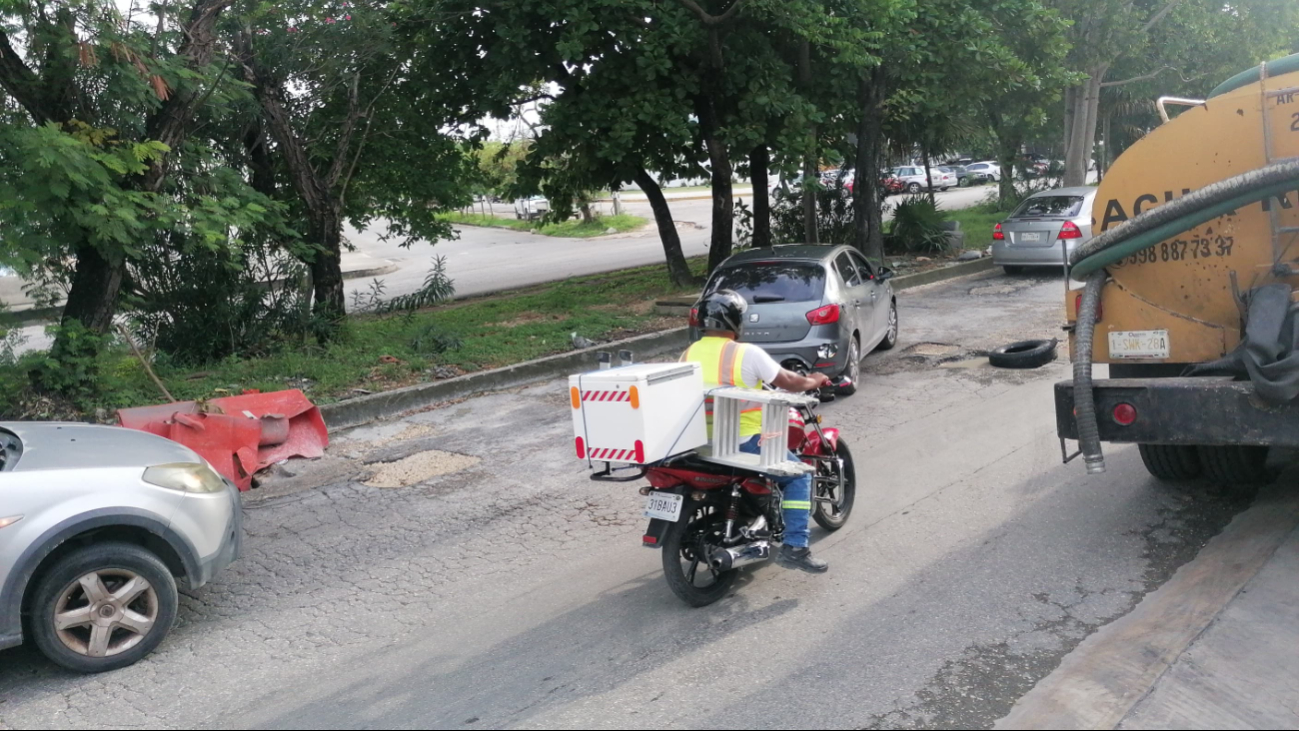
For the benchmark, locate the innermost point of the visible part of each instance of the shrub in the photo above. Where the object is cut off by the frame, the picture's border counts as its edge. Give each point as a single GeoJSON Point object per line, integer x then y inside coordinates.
{"type": "Point", "coordinates": [918, 227]}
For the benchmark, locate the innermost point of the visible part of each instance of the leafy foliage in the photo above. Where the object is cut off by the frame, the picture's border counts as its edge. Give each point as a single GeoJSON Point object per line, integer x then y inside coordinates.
{"type": "Point", "coordinates": [918, 227]}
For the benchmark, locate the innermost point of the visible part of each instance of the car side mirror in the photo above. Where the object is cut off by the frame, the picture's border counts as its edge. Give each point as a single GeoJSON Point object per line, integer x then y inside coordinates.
{"type": "Point", "coordinates": [885, 274]}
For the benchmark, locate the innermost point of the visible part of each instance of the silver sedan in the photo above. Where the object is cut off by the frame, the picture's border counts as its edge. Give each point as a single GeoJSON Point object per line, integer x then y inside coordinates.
{"type": "Point", "coordinates": [1043, 229]}
{"type": "Point", "coordinates": [98, 527]}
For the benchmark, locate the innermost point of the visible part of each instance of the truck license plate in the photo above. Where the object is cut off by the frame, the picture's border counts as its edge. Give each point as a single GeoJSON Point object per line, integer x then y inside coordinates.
{"type": "Point", "coordinates": [664, 506]}
{"type": "Point", "coordinates": [1139, 344]}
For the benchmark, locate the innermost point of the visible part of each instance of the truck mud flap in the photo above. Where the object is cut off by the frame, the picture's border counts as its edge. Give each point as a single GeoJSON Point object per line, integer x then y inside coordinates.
{"type": "Point", "coordinates": [1191, 411]}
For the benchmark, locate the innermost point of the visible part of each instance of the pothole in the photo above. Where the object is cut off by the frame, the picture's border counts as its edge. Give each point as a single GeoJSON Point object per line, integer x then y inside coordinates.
{"type": "Point", "coordinates": [933, 350]}
{"type": "Point", "coordinates": [419, 467]}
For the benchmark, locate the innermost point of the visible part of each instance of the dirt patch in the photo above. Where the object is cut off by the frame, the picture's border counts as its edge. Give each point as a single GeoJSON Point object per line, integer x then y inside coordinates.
{"type": "Point", "coordinates": [524, 319]}
{"type": "Point", "coordinates": [420, 467]}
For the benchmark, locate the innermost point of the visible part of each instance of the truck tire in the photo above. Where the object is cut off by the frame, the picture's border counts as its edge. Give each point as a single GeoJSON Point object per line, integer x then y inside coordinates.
{"type": "Point", "coordinates": [1235, 465]}
{"type": "Point", "coordinates": [1170, 462]}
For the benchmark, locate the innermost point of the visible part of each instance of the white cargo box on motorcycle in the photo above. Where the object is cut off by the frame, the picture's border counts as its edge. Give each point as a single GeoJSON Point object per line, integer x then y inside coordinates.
{"type": "Point", "coordinates": [638, 414]}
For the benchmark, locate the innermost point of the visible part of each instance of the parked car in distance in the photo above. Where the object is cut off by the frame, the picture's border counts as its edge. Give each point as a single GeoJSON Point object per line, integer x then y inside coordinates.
{"type": "Point", "coordinates": [963, 178]}
{"type": "Point", "coordinates": [1043, 229]}
{"type": "Point", "coordinates": [984, 171]}
{"type": "Point", "coordinates": [530, 209]}
{"type": "Point", "coordinates": [913, 177]}
{"type": "Point", "coordinates": [888, 183]}
{"type": "Point", "coordinates": [98, 526]}
{"type": "Point", "coordinates": [813, 308]}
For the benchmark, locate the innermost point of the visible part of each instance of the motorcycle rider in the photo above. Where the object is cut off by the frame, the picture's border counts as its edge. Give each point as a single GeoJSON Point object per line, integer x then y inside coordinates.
{"type": "Point", "coordinates": [727, 362]}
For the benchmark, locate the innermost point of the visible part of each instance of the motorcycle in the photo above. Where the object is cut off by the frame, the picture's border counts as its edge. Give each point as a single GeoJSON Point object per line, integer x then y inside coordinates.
{"type": "Point", "coordinates": [710, 520]}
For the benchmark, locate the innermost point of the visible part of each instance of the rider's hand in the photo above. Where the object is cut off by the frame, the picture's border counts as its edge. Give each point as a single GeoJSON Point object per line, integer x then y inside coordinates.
{"type": "Point", "coordinates": [821, 379]}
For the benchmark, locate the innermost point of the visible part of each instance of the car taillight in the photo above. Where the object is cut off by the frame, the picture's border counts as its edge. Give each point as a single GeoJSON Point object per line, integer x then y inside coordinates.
{"type": "Point", "coordinates": [1077, 307]}
{"type": "Point", "coordinates": [694, 317]}
{"type": "Point", "coordinates": [997, 235]}
{"type": "Point", "coordinates": [1070, 230]}
{"type": "Point", "coordinates": [827, 315]}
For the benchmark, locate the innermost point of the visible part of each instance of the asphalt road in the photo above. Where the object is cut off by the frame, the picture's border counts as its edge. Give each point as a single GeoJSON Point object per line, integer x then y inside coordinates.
{"type": "Point", "coordinates": [487, 260]}
{"type": "Point", "coordinates": [513, 592]}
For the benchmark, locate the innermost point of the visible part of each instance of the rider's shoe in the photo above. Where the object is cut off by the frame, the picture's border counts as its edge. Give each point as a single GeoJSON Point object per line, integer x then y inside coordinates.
{"type": "Point", "coordinates": [801, 559]}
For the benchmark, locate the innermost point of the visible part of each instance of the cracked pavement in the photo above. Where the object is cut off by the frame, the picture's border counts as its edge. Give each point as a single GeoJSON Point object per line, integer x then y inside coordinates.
{"type": "Point", "coordinates": [514, 591]}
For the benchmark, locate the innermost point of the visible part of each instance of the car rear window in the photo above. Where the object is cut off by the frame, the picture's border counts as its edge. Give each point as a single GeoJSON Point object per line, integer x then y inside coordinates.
{"type": "Point", "coordinates": [772, 281]}
{"type": "Point", "coordinates": [1065, 206]}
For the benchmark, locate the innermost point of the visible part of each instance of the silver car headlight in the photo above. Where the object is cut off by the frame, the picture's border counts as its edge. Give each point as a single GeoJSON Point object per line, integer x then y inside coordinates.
{"type": "Point", "coordinates": [186, 477]}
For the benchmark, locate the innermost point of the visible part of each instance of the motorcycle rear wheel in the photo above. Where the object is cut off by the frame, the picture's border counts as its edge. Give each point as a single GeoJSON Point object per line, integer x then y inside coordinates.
{"type": "Point", "coordinates": [685, 561]}
{"type": "Point", "coordinates": [833, 515]}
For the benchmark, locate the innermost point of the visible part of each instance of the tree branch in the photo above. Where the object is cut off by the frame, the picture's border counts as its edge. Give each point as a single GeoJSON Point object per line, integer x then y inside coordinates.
{"type": "Point", "coordinates": [345, 135]}
{"type": "Point", "coordinates": [1135, 79]}
{"type": "Point", "coordinates": [22, 83]}
{"type": "Point", "coordinates": [1159, 16]}
{"type": "Point", "coordinates": [713, 20]}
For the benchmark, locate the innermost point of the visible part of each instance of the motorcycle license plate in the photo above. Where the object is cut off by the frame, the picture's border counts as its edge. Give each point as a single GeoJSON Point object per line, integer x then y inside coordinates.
{"type": "Point", "coordinates": [664, 506]}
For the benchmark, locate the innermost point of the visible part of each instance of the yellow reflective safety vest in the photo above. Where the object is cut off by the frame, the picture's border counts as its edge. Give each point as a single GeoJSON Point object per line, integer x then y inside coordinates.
{"type": "Point", "coordinates": [722, 361]}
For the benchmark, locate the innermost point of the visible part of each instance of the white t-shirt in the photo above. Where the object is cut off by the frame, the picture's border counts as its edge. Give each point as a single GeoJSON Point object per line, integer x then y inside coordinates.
{"type": "Point", "coordinates": [758, 366]}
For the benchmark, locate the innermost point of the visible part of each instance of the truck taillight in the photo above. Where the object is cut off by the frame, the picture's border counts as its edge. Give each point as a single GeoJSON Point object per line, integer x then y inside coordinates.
{"type": "Point", "coordinates": [1077, 307]}
{"type": "Point", "coordinates": [694, 317]}
{"type": "Point", "coordinates": [1125, 414]}
{"type": "Point", "coordinates": [1070, 230]}
{"type": "Point", "coordinates": [997, 235]}
{"type": "Point", "coordinates": [827, 315]}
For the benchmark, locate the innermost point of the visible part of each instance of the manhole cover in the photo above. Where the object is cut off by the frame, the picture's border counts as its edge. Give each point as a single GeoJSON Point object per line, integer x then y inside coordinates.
{"type": "Point", "coordinates": [419, 467]}
{"type": "Point", "coordinates": [934, 350]}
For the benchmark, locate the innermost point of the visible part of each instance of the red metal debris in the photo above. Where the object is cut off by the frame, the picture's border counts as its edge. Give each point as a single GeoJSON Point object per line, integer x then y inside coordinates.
{"type": "Point", "coordinates": [238, 435]}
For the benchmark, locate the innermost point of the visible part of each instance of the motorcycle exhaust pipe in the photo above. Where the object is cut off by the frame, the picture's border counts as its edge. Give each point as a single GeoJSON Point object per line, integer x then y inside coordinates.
{"type": "Point", "coordinates": [725, 559]}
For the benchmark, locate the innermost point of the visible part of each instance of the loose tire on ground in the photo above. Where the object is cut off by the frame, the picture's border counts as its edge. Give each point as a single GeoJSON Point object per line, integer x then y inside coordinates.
{"type": "Point", "coordinates": [1024, 354]}
{"type": "Point", "coordinates": [1170, 462]}
{"type": "Point", "coordinates": [1235, 465]}
{"type": "Point", "coordinates": [61, 593]}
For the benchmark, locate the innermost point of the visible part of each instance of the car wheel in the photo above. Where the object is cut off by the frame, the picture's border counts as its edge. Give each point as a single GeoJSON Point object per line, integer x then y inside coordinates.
{"type": "Point", "coordinates": [913, 188]}
{"type": "Point", "coordinates": [103, 607]}
{"type": "Point", "coordinates": [891, 336]}
{"type": "Point", "coordinates": [852, 371]}
{"type": "Point", "coordinates": [944, 189]}
{"type": "Point", "coordinates": [964, 183]}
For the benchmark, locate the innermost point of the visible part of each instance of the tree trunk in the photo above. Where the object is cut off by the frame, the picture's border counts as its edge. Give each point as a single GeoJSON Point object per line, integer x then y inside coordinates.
{"type": "Point", "coordinates": [759, 159]}
{"type": "Point", "coordinates": [587, 216]}
{"type": "Point", "coordinates": [1007, 150]}
{"type": "Point", "coordinates": [92, 299]}
{"type": "Point", "coordinates": [868, 215]}
{"type": "Point", "coordinates": [326, 230]}
{"type": "Point", "coordinates": [1086, 104]}
{"type": "Point", "coordinates": [929, 174]}
{"type": "Point", "coordinates": [811, 168]}
{"type": "Point", "coordinates": [1070, 95]}
{"type": "Point", "coordinates": [678, 269]}
{"type": "Point", "coordinates": [719, 158]}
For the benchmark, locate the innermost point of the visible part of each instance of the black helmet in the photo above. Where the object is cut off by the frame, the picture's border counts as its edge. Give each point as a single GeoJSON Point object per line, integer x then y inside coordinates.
{"type": "Point", "coordinates": [722, 310]}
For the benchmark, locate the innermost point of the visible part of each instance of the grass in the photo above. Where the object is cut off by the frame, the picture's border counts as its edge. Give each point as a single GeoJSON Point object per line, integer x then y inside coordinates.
{"type": "Point", "coordinates": [572, 229]}
{"type": "Point", "coordinates": [977, 223]}
{"type": "Point", "coordinates": [380, 353]}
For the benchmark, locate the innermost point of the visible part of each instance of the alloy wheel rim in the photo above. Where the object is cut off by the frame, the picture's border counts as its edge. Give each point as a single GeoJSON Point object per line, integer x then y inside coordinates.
{"type": "Point", "coordinates": [105, 612]}
{"type": "Point", "coordinates": [893, 323]}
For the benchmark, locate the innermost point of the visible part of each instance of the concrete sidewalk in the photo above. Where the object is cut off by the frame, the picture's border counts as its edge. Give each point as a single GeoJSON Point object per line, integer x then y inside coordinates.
{"type": "Point", "coordinates": [1214, 648]}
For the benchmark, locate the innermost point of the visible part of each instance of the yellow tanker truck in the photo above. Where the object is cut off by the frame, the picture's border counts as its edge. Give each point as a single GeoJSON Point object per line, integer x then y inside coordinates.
{"type": "Point", "coordinates": [1189, 290]}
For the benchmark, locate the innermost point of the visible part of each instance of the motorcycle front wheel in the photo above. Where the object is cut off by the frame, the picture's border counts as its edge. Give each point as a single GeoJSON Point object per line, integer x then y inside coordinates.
{"type": "Point", "coordinates": [685, 556]}
{"type": "Point", "coordinates": [832, 505]}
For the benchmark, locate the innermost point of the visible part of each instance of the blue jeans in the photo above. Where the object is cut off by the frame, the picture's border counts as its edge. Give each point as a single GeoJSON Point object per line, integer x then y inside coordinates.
{"type": "Point", "coordinates": [797, 503]}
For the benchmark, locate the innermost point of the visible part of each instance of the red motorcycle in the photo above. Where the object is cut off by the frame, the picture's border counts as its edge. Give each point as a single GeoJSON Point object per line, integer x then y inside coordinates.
{"type": "Point", "coordinates": [709, 519]}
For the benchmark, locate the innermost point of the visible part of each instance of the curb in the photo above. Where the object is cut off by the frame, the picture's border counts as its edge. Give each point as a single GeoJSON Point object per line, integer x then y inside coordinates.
{"type": "Point", "coordinates": [679, 305]}
{"type": "Point", "coordinates": [1099, 683]}
{"type": "Point", "coordinates": [365, 409]}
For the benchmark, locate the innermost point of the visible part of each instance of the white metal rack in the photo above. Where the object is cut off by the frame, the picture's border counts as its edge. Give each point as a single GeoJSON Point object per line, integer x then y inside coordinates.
{"type": "Point", "coordinates": [728, 403]}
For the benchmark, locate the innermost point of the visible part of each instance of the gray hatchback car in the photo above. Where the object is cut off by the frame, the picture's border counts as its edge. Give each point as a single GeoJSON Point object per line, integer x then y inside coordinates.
{"type": "Point", "coordinates": [813, 308]}
{"type": "Point", "coordinates": [98, 527]}
{"type": "Point", "coordinates": [1045, 227]}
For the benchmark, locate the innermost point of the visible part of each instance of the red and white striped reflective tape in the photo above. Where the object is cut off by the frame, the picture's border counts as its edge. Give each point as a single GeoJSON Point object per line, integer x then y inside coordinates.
{"type": "Point", "coordinates": [606, 396]}
{"type": "Point", "coordinates": [613, 454]}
